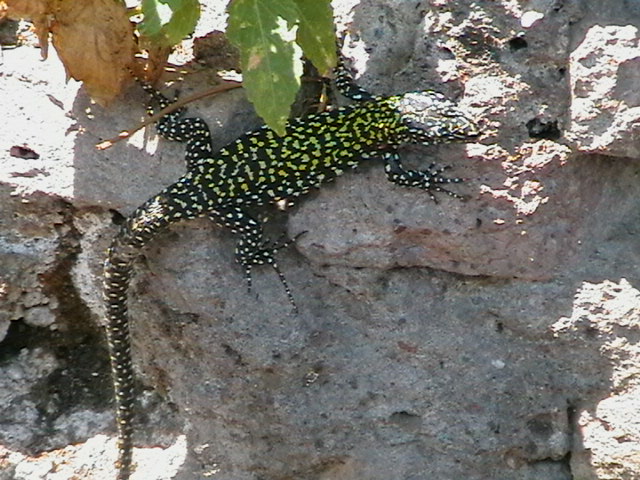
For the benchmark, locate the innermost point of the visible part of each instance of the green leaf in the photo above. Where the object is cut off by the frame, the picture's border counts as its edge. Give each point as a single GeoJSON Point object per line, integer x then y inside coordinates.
{"type": "Point", "coordinates": [167, 22]}
{"type": "Point", "coordinates": [151, 23]}
{"type": "Point", "coordinates": [263, 31]}
{"type": "Point", "coordinates": [316, 34]}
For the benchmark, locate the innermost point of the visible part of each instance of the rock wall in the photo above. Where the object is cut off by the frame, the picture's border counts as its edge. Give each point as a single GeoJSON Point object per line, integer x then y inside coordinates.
{"type": "Point", "coordinates": [495, 338]}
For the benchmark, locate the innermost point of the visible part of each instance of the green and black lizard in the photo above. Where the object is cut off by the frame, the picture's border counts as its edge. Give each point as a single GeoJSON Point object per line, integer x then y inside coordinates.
{"type": "Point", "coordinates": [260, 168]}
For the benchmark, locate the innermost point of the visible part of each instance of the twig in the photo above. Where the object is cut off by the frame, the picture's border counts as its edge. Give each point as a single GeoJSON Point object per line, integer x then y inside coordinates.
{"type": "Point", "coordinates": [229, 85]}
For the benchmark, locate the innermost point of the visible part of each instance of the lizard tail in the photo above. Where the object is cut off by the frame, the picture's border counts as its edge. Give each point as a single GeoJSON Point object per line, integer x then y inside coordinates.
{"type": "Point", "coordinates": [117, 275]}
{"type": "Point", "coordinates": [141, 227]}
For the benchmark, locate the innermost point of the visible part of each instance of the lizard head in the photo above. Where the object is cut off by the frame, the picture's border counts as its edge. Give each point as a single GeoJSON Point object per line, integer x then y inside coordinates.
{"type": "Point", "coordinates": [430, 117]}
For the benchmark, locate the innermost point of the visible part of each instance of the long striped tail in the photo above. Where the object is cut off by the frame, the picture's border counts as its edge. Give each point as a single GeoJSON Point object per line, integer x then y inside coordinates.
{"type": "Point", "coordinates": [117, 275]}
{"type": "Point", "coordinates": [140, 228]}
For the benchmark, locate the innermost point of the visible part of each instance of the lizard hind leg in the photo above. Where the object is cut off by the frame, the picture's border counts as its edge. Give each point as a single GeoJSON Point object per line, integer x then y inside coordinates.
{"type": "Point", "coordinates": [252, 248]}
{"type": "Point", "coordinates": [247, 255]}
{"type": "Point", "coordinates": [274, 249]}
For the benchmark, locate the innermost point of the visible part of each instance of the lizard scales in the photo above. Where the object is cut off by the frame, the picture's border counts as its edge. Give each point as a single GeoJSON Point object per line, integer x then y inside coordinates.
{"type": "Point", "coordinates": [259, 168]}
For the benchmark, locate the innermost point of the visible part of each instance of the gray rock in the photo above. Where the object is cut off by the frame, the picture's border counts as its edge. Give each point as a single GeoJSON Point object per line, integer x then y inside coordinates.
{"type": "Point", "coordinates": [605, 106]}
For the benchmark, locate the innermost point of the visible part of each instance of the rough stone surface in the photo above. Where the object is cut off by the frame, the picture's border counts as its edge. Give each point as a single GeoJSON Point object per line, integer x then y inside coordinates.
{"type": "Point", "coordinates": [610, 430]}
{"type": "Point", "coordinates": [495, 338]}
{"type": "Point", "coordinates": [605, 111]}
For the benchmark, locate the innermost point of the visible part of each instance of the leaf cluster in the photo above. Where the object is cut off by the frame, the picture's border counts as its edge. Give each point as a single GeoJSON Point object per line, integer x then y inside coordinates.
{"type": "Point", "coordinates": [99, 40]}
{"type": "Point", "coordinates": [264, 31]}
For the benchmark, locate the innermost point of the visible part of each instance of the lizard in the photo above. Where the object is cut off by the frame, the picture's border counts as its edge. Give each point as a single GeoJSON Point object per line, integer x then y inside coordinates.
{"type": "Point", "coordinates": [260, 168]}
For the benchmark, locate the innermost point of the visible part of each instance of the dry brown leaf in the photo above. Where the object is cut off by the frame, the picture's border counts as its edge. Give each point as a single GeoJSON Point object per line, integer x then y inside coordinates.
{"type": "Point", "coordinates": [94, 39]}
{"type": "Point", "coordinates": [38, 12]}
{"type": "Point", "coordinates": [3, 10]}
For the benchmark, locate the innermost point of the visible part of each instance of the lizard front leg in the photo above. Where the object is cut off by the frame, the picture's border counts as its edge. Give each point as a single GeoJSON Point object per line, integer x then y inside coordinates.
{"type": "Point", "coordinates": [429, 179]}
{"type": "Point", "coordinates": [193, 131]}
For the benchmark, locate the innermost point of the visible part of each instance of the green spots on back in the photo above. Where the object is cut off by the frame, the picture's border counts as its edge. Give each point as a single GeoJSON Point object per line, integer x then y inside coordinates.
{"type": "Point", "coordinates": [262, 167]}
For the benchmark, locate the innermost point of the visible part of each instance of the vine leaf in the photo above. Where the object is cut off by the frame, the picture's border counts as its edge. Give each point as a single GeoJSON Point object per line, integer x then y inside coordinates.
{"type": "Point", "coordinates": [167, 22]}
{"type": "Point", "coordinates": [271, 65]}
{"type": "Point", "coordinates": [316, 33]}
